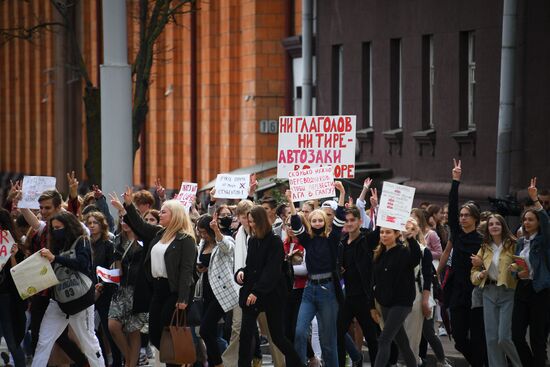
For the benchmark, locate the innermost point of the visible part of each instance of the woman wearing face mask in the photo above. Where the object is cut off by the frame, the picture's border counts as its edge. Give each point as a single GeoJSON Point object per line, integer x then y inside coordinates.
{"type": "Point", "coordinates": [66, 230]}
{"type": "Point", "coordinates": [394, 290]}
{"type": "Point", "coordinates": [532, 297]}
{"type": "Point", "coordinates": [320, 296]}
{"type": "Point", "coordinates": [225, 219]}
{"type": "Point", "coordinates": [490, 272]}
{"type": "Point", "coordinates": [263, 288]}
{"type": "Point", "coordinates": [170, 252]}
{"type": "Point", "coordinates": [12, 308]}
{"type": "Point", "coordinates": [220, 294]}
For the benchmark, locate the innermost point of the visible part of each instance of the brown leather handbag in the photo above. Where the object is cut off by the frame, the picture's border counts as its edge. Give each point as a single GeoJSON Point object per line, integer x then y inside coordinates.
{"type": "Point", "coordinates": [176, 341]}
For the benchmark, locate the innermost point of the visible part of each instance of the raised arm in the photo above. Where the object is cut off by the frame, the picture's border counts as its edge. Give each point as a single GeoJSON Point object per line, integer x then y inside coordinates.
{"type": "Point", "coordinates": [454, 223]}
{"type": "Point", "coordinates": [543, 216]}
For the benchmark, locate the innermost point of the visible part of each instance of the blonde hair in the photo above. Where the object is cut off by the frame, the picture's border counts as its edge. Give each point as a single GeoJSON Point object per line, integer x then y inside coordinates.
{"type": "Point", "coordinates": [420, 235]}
{"type": "Point", "coordinates": [321, 213]}
{"type": "Point", "coordinates": [180, 222]}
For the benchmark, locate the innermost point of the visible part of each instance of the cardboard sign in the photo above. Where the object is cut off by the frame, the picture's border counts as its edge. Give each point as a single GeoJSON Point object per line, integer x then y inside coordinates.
{"type": "Point", "coordinates": [232, 186]}
{"type": "Point", "coordinates": [316, 141]}
{"type": "Point", "coordinates": [6, 242]}
{"type": "Point", "coordinates": [395, 206]}
{"type": "Point", "coordinates": [33, 275]}
{"type": "Point", "coordinates": [311, 183]}
{"type": "Point", "coordinates": [33, 187]}
{"type": "Point", "coordinates": [187, 194]}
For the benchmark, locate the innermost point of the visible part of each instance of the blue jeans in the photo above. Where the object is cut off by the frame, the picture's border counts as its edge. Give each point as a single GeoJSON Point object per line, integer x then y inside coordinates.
{"type": "Point", "coordinates": [498, 304]}
{"type": "Point", "coordinates": [6, 313]}
{"type": "Point", "coordinates": [318, 300]}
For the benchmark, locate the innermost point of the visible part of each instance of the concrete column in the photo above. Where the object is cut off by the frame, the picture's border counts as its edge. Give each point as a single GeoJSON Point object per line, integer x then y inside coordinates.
{"type": "Point", "coordinates": [117, 159]}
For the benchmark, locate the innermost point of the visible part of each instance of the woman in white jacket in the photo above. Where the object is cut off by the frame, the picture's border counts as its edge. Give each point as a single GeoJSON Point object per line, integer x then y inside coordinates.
{"type": "Point", "coordinates": [220, 293]}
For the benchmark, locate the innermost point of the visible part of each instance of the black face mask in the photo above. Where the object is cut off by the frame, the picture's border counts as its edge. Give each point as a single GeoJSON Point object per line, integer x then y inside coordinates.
{"type": "Point", "coordinates": [318, 231]}
{"type": "Point", "coordinates": [225, 222]}
{"type": "Point", "coordinates": [58, 235]}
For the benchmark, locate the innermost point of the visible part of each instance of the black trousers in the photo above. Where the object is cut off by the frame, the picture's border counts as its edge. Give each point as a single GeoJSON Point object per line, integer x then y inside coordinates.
{"type": "Point", "coordinates": [531, 310]}
{"type": "Point", "coordinates": [161, 309]}
{"type": "Point", "coordinates": [355, 306]}
{"type": "Point", "coordinates": [212, 313]}
{"type": "Point", "coordinates": [39, 304]}
{"type": "Point", "coordinates": [469, 335]}
{"type": "Point", "coordinates": [274, 314]}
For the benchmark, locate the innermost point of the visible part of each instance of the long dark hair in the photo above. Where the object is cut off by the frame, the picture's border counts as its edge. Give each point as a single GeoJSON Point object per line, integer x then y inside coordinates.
{"type": "Point", "coordinates": [261, 222]}
{"type": "Point", "coordinates": [73, 230]}
{"type": "Point", "coordinates": [204, 223]}
{"type": "Point", "coordinates": [6, 224]}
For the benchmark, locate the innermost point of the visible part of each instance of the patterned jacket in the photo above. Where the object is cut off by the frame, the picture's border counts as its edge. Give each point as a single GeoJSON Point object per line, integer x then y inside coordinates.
{"type": "Point", "coordinates": [220, 273]}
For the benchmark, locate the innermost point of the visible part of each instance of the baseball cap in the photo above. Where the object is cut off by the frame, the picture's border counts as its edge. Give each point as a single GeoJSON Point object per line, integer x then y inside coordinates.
{"type": "Point", "coordinates": [330, 204]}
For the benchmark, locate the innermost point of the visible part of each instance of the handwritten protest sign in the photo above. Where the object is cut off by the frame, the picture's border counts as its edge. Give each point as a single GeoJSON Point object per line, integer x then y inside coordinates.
{"type": "Point", "coordinates": [33, 275]}
{"type": "Point", "coordinates": [33, 187]}
{"type": "Point", "coordinates": [311, 183]}
{"type": "Point", "coordinates": [395, 205]}
{"type": "Point", "coordinates": [6, 242]}
{"type": "Point", "coordinates": [315, 141]}
{"type": "Point", "coordinates": [232, 186]}
{"type": "Point", "coordinates": [186, 196]}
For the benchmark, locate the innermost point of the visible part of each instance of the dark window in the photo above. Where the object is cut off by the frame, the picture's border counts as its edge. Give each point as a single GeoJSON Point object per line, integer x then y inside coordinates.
{"type": "Point", "coordinates": [396, 95]}
{"type": "Point", "coordinates": [337, 79]}
{"type": "Point", "coordinates": [366, 84]}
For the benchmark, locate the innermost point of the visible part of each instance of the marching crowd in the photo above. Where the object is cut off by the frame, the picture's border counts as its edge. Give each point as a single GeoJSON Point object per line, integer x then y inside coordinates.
{"type": "Point", "coordinates": [306, 277]}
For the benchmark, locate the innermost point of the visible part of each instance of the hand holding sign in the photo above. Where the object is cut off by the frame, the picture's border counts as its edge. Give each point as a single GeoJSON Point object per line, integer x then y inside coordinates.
{"type": "Point", "coordinates": [33, 187]}
{"type": "Point", "coordinates": [395, 206]}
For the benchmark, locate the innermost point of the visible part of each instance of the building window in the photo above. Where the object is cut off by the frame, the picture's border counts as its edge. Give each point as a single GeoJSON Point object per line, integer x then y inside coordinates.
{"type": "Point", "coordinates": [366, 84]}
{"type": "Point", "coordinates": [428, 71]}
{"type": "Point", "coordinates": [396, 85]}
{"type": "Point", "coordinates": [471, 79]}
{"type": "Point", "coordinates": [337, 79]}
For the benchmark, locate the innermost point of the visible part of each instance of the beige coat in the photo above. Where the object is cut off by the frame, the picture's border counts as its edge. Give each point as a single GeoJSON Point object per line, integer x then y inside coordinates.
{"type": "Point", "coordinates": [505, 277]}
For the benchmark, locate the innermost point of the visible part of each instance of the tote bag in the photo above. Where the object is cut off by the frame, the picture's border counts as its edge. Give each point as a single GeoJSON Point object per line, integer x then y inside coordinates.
{"type": "Point", "coordinates": [176, 341]}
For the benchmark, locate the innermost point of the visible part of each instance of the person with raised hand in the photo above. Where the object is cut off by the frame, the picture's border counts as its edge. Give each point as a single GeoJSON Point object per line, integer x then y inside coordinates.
{"type": "Point", "coordinates": [323, 291]}
{"type": "Point", "coordinates": [532, 296]}
{"type": "Point", "coordinates": [466, 242]}
{"type": "Point", "coordinates": [170, 253]}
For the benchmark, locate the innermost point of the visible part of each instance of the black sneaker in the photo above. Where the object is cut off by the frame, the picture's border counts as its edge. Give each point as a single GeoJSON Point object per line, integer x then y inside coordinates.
{"type": "Point", "coordinates": [357, 363]}
{"type": "Point", "coordinates": [5, 357]}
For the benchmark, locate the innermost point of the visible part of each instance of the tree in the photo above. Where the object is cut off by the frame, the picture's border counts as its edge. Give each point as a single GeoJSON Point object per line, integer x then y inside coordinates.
{"type": "Point", "coordinates": [153, 17]}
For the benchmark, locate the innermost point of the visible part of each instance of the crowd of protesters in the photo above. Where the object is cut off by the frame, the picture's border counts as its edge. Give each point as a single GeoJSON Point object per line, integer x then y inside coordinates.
{"type": "Point", "coordinates": [309, 279]}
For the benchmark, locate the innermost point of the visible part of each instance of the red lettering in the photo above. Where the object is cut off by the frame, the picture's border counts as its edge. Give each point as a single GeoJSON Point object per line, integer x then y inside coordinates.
{"type": "Point", "coordinates": [3, 250]}
{"type": "Point", "coordinates": [4, 237]}
{"type": "Point", "coordinates": [348, 124]}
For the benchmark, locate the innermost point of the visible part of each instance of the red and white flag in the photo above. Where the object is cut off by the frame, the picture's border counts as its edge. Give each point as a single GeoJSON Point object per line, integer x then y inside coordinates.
{"type": "Point", "coordinates": [108, 275]}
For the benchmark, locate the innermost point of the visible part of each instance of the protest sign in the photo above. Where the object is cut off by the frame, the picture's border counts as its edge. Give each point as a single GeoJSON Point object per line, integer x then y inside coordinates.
{"type": "Point", "coordinates": [232, 186]}
{"type": "Point", "coordinates": [315, 141]}
{"type": "Point", "coordinates": [33, 275]}
{"type": "Point", "coordinates": [311, 183]}
{"type": "Point", "coordinates": [6, 242]}
{"type": "Point", "coordinates": [395, 206]}
{"type": "Point", "coordinates": [33, 187]}
{"type": "Point", "coordinates": [186, 196]}
{"type": "Point", "coordinates": [108, 275]}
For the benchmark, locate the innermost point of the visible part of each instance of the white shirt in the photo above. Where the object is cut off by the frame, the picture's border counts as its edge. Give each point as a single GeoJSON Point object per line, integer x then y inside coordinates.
{"type": "Point", "coordinates": [158, 266]}
{"type": "Point", "coordinates": [493, 268]}
{"type": "Point", "coordinates": [525, 253]}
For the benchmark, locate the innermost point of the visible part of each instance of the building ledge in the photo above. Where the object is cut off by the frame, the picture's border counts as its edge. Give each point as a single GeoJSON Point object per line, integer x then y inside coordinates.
{"type": "Point", "coordinates": [366, 136]}
{"type": "Point", "coordinates": [394, 138]}
{"type": "Point", "coordinates": [425, 138]}
{"type": "Point", "coordinates": [465, 137]}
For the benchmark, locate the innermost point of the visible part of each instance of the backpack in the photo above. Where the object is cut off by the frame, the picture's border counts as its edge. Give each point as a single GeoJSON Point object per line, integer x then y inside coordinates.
{"type": "Point", "coordinates": [75, 291]}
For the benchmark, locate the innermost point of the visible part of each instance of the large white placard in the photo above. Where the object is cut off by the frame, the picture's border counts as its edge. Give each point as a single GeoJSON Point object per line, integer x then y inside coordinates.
{"type": "Point", "coordinates": [187, 194]}
{"type": "Point", "coordinates": [311, 183]}
{"type": "Point", "coordinates": [395, 206]}
{"type": "Point", "coordinates": [232, 186]}
{"type": "Point", "coordinates": [33, 187]}
{"type": "Point", "coordinates": [6, 242]}
{"type": "Point", "coordinates": [33, 275]}
{"type": "Point", "coordinates": [315, 141]}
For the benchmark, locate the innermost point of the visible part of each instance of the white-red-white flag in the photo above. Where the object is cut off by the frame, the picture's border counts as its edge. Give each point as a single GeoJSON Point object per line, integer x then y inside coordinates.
{"type": "Point", "coordinates": [108, 275]}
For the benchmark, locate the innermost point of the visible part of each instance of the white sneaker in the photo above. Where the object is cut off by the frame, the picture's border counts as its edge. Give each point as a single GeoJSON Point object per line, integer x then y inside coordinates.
{"type": "Point", "coordinates": [445, 363]}
{"type": "Point", "coordinates": [442, 331]}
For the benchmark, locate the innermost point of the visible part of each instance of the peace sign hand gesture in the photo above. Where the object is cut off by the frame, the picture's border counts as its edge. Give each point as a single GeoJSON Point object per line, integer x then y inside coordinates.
{"type": "Point", "coordinates": [532, 189]}
{"type": "Point", "coordinates": [457, 170]}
